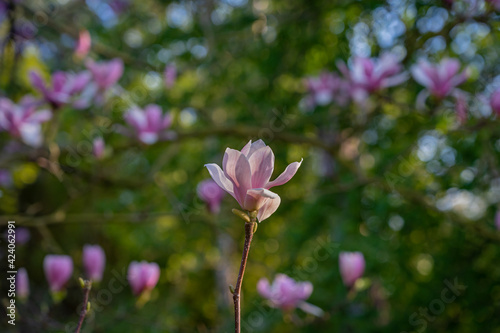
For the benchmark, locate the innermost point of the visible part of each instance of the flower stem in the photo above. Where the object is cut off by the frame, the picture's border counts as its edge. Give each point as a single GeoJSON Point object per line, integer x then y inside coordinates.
{"type": "Point", "coordinates": [87, 285]}
{"type": "Point", "coordinates": [249, 231]}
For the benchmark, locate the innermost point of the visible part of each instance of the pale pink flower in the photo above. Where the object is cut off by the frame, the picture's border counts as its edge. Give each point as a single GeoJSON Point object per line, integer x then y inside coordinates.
{"type": "Point", "coordinates": [143, 276]}
{"type": "Point", "coordinates": [352, 267]}
{"type": "Point", "coordinates": [22, 284]}
{"type": "Point", "coordinates": [495, 102]}
{"type": "Point", "coordinates": [23, 235]}
{"type": "Point", "coordinates": [440, 80]}
{"type": "Point", "coordinates": [64, 88]}
{"type": "Point", "coordinates": [83, 45]}
{"type": "Point", "coordinates": [246, 175]}
{"type": "Point", "coordinates": [368, 75]}
{"type": "Point", "coordinates": [94, 261]}
{"type": "Point", "coordinates": [170, 75]}
{"type": "Point", "coordinates": [211, 193]}
{"type": "Point", "coordinates": [287, 294]}
{"type": "Point", "coordinates": [23, 120]}
{"type": "Point", "coordinates": [58, 270]}
{"type": "Point", "coordinates": [105, 73]}
{"type": "Point", "coordinates": [98, 147]}
{"type": "Point", "coordinates": [326, 88]}
{"type": "Point", "coordinates": [149, 123]}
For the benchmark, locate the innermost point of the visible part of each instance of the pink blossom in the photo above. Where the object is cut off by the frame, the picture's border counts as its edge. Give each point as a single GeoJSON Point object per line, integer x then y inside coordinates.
{"type": "Point", "coordinates": [94, 261]}
{"type": "Point", "coordinates": [64, 88]}
{"type": "Point", "coordinates": [497, 220]}
{"type": "Point", "coordinates": [98, 147]}
{"type": "Point", "coordinates": [326, 88]}
{"type": "Point", "coordinates": [440, 80]}
{"type": "Point", "coordinates": [287, 294]}
{"type": "Point", "coordinates": [23, 120]}
{"type": "Point", "coordinates": [495, 101]}
{"type": "Point", "coordinates": [368, 75]}
{"type": "Point", "coordinates": [211, 193]}
{"type": "Point", "coordinates": [84, 44]}
{"type": "Point", "coordinates": [23, 235]}
{"type": "Point", "coordinates": [148, 123]}
{"type": "Point", "coordinates": [58, 270]}
{"type": "Point", "coordinates": [352, 267]}
{"type": "Point", "coordinates": [22, 284]}
{"type": "Point", "coordinates": [105, 73]}
{"type": "Point", "coordinates": [246, 177]}
{"type": "Point", "coordinates": [143, 276]}
{"type": "Point", "coordinates": [170, 75]}
{"type": "Point", "coordinates": [5, 177]}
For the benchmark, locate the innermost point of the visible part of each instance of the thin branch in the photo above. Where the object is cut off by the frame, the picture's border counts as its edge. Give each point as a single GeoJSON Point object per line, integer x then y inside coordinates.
{"type": "Point", "coordinates": [249, 231]}
{"type": "Point", "coordinates": [87, 285]}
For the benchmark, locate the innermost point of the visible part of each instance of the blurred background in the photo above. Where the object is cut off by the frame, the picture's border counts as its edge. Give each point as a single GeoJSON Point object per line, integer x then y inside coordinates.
{"type": "Point", "coordinates": [412, 186]}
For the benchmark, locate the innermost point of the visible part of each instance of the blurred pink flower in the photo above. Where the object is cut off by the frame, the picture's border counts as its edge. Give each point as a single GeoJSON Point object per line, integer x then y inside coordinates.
{"type": "Point", "coordinates": [63, 89]}
{"type": "Point", "coordinates": [497, 219]}
{"type": "Point", "coordinates": [22, 284]}
{"type": "Point", "coordinates": [352, 267]}
{"type": "Point", "coordinates": [326, 88]}
{"type": "Point", "coordinates": [148, 123]}
{"type": "Point", "coordinates": [22, 120]}
{"type": "Point", "coordinates": [98, 147]}
{"type": "Point", "coordinates": [105, 73]}
{"type": "Point", "coordinates": [246, 177]}
{"type": "Point", "coordinates": [495, 102]}
{"type": "Point", "coordinates": [83, 45]}
{"type": "Point", "coordinates": [5, 175]}
{"type": "Point", "coordinates": [58, 270]}
{"type": "Point", "coordinates": [143, 276]}
{"type": "Point", "coordinates": [440, 80]}
{"type": "Point", "coordinates": [94, 261]}
{"type": "Point", "coordinates": [368, 75]}
{"type": "Point", "coordinates": [211, 193]}
{"type": "Point", "coordinates": [287, 294]}
{"type": "Point", "coordinates": [170, 75]}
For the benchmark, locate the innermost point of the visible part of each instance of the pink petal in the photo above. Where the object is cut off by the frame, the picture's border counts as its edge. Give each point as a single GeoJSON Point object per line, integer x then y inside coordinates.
{"type": "Point", "coordinates": [256, 198]}
{"type": "Point", "coordinates": [262, 166]}
{"type": "Point", "coordinates": [269, 207]}
{"type": "Point", "coordinates": [289, 172]}
{"type": "Point", "coordinates": [237, 169]}
{"type": "Point", "coordinates": [220, 178]}
{"type": "Point", "coordinates": [420, 75]}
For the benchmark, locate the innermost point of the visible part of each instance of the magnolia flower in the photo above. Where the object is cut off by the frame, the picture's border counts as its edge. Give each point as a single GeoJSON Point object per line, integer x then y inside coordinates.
{"type": "Point", "coordinates": [63, 89]}
{"type": "Point", "coordinates": [143, 276]}
{"type": "Point", "coordinates": [170, 75]}
{"type": "Point", "coordinates": [58, 270]}
{"type": "Point", "coordinates": [98, 147]}
{"type": "Point", "coordinates": [326, 88]}
{"type": "Point", "coordinates": [495, 102]}
{"type": "Point", "coordinates": [497, 220]}
{"type": "Point", "coordinates": [368, 75]}
{"type": "Point", "coordinates": [22, 120]}
{"type": "Point", "coordinates": [105, 73]}
{"type": "Point", "coordinates": [94, 260]}
{"type": "Point", "coordinates": [148, 123]}
{"type": "Point", "coordinates": [287, 294]}
{"type": "Point", "coordinates": [245, 176]}
{"type": "Point", "coordinates": [211, 193]}
{"type": "Point", "coordinates": [83, 45]}
{"type": "Point", "coordinates": [352, 266]}
{"type": "Point", "coordinates": [22, 284]}
{"type": "Point", "coordinates": [440, 80]}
